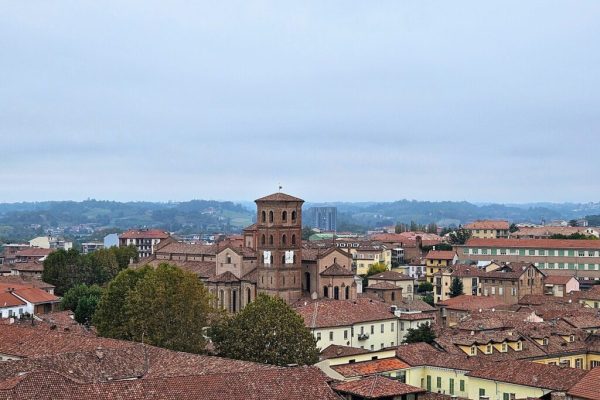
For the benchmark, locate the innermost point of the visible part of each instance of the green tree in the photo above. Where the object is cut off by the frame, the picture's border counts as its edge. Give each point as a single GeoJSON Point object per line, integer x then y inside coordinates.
{"type": "Point", "coordinates": [513, 228]}
{"type": "Point", "coordinates": [77, 292]}
{"type": "Point", "coordinates": [425, 287]}
{"type": "Point", "coordinates": [62, 269]}
{"type": "Point", "coordinates": [428, 298]}
{"type": "Point", "coordinates": [573, 222]}
{"type": "Point", "coordinates": [460, 236]}
{"type": "Point", "coordinates": [110, 319]}
{"type": "Point", "coordinates": [166, 307]}
{"type": "Point", "coordinates": [376, 268]}
{"type": "Point", "coordinates": [86, 307]}
{"type": "Point", "coordinates": [266, 331]}
{"type": "Point", "coordinates": [456, 287]}
{"type": "Point", "coordinates": [423, 333]}
{"type": "Point", "coordinates": [306, 232]}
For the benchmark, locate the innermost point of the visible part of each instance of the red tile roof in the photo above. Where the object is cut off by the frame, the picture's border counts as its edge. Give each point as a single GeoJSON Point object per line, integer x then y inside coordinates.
{"type": "Point", "coordinates": [9, 300]}
{"type": "Point", "coordinates": [488, 224]}
{"type": "Point", "coordinates": [370, 367]}
{"type": "Point", "coordinates": [383, 286]}
{"type": "Point", "coordinates": [31, 266]}
{"type": "Point", "coordinates": [36, 296]}
{"type": "Point", "coordinates": [144, 234]}
{"type": "Point", "coordinates": [532, 374]}
{"type": "Point", "coordinates": [336, 350]}
{"type": "Point", "coordinates": [33, 252]}
{"type": "Point", "coordinates": [470, 303]}
{"type": "Point", "coordinates": [534, 243]}
{"type": "Point", "coordinates": [279, 197]}
{"type": "Point", "coordinates": [326, 313]}
{"type": "Point", "coordinates": [440, 255]}
{"type": "Point", "coordinates": [376, 387]}
{"type": "Point", "coordinates": [337, 270]}
{"type": "Point", "coordinates": [557, 279]}
{"type": "Point", "coordinates": [588, 387]}
{"type": "Point", "coordinates": [299, 383]}
{"type": "Point", "coordinates": [391, 276]}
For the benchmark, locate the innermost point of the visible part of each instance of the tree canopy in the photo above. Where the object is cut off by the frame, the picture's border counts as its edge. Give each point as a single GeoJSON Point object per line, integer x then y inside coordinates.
{"type": "Point", "coordinates": [456, 287]}
{"type": "Point", "coordinates": [425, 287]}
{"type": "Point", "coordinates": [460, 236]}
{"type": "Point", "coordinates": [66, 269]}
{"type": "Point", "coordinates": [423, 333]}
{"type": "Point", "coordinates": [82, 300]}
{"type": "Point", "coordinates": [376, 268]}
{"type": "Point", "coordinates": [165, 307]}
{"type": "Point", "coordinates": [266, 331]}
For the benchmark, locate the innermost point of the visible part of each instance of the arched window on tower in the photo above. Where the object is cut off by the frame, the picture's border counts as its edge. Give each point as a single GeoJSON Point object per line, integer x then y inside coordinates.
{"type": "Point", "coordinates": [270, 239]}
{"type": "Point", "coordinates": [336, 293]}
{"type": "Point", "coordinates": [282, 259]}
{"type": "Point", "coordinates": [248, 296]}
{"type": "Point", "coordinates": [347, 292]}
{"type": "Point", "coordinates": [294, 259]}
{"type": "Point", "coordinates": [325, 291]}
{"type": "Point", "coordinates": [270, 216]}
{"type": "Point", "coordinates": [284, 216]}
{"type": "Point", "coordinates": [263, 239]}
{"type": "Point", "coordinates": [284, 240]}
{"type": "Point", "coordinates": [264, 216]}
{"type": "Point", "coordinates": [271, 262]}
{"type": "Point", "coordinates": [294, 215]}
{"type": "Point", "coordinates": [293, 239]}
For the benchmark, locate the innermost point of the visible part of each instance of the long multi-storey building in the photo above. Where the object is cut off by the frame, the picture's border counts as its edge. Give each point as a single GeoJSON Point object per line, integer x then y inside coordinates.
{"type": "Point", "coordinates": [580, 258]}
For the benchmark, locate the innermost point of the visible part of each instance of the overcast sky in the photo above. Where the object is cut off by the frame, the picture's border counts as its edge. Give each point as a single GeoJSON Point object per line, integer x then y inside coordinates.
{"type": "Point", "coordinates": [372, 100]}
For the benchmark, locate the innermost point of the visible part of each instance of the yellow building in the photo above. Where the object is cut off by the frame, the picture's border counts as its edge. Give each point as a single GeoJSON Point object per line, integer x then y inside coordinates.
{"type": "Point", "coordinates": [488, 229]}
{"type": "Point", "coordinates": [437, 259]}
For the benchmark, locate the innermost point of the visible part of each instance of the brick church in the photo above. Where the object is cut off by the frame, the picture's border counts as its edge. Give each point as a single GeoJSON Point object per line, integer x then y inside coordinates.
{"type": "Point", "coordinates": [271, 259]}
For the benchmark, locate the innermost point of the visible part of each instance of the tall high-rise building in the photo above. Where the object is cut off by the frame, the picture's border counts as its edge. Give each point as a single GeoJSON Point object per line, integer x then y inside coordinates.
{"type": "Point", "coordinates": [279, 246]}
{"type": "Point", "coordinates": [323, 218]}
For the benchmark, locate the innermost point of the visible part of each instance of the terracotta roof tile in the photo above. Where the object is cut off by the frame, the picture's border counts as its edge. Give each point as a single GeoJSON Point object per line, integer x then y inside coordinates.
{"type": "Point", "coordinates": [144, 234]}
{"type": "Point", "coordinates": [488, 224]}
{"type": "Point", "coordinates": [325, 312]}
{"type": "Point", "coordinates": [337, 270]}
{"type": "Point", "coordinates": [533, 374]}
{"type": "Point", "coordinates": [9, 300]}
{"type": "Point", "coordinates": [279, 197]}
{"type": "Point", "coordinates": [391, 276]}
{"type": "Point", "coordinates": [557, 279]}
{"type": "Point", "coordinates": [588, 387]}
{"type": "Point", "coordinates": [534, 243]}
{"type": "Point", "coordinates": [36, 296]}
{"type": "Point", "coordinates": [370, 367]}
{"type": "Point", "coordinates": [470, 303]}
{"type": "Point", "coordinates": [440, 255]}
{"type": "Point", "coordinates": [376, 387]}
{"type": "Point", "coordinates": [335, 350]}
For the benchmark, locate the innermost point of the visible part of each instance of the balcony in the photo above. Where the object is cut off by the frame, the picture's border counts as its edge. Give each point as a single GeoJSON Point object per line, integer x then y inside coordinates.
{"type": "Point", "coordinates": [363, 336]}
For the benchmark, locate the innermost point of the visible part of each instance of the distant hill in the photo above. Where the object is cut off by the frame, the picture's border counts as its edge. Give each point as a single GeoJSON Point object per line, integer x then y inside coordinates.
{"type": "Point", "coordinates": [20, 221]}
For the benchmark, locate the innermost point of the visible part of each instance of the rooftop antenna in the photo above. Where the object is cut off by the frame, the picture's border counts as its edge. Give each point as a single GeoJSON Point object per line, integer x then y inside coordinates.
{"type": "Point", "coordinates": [280, 187]}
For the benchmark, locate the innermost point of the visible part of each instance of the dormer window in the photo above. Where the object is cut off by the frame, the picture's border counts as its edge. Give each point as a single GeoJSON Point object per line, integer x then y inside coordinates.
{"type": "Point", "coordinates": [488, 349]}
{"type": "Point", "coordinates": [519, 345]}
{"type": "Point", "coordinates": [504, 347]}
{"type": "Point", "coordinates": [473, 350]}
{"type": "Point", "coordinates": [572, 338]}
{"type": "Point", "coordinates": [545, 341]}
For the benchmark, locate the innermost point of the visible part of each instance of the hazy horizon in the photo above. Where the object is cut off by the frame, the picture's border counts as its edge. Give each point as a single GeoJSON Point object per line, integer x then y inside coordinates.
{"type": "Point", "coordinates": [492, 102]}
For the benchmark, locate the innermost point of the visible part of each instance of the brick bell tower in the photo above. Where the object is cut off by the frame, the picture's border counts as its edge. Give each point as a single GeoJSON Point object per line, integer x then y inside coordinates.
{"type": "Point", "coordinates": [279, 246]}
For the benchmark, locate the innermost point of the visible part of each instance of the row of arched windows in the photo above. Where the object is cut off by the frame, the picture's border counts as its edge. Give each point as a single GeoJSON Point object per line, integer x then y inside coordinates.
{"type": "Point", "coordinates": [263, 239]}
{"type": "Point", "coordinates": [336, 292]}
{"type": "Point", "coordinates": [284, 216]}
